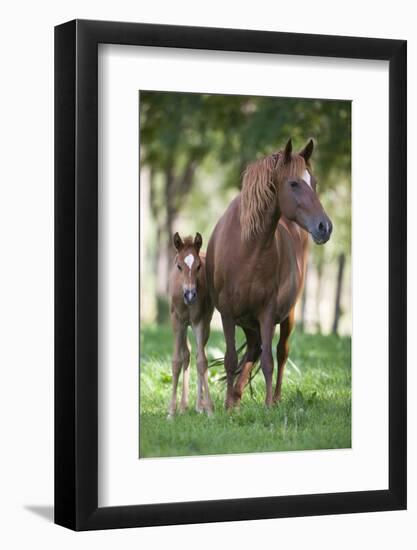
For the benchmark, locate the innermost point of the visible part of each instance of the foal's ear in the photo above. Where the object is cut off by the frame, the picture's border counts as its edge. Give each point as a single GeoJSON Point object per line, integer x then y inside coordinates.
{"type": "Point", "coordinates": [198, 241]}
{"type": "Point", "coordinates": [288, 151]}
{"type": "Point", "coordinates": [307, 151]}
{"type": "Point", "coordinates": [177, 242]}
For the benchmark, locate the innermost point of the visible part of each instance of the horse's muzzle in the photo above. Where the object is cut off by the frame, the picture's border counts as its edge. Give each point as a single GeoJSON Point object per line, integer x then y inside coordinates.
{"type": "Point", "coordinates": [190, 297]}
{"type": "Point", "coordinates": [322, 231]}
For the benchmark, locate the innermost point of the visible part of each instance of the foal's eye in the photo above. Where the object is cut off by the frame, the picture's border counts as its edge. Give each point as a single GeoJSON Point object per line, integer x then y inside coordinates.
{"type": "Point", "coordinates": [294, 184]}
{"type": "Point", "coordinates": [179, 267]}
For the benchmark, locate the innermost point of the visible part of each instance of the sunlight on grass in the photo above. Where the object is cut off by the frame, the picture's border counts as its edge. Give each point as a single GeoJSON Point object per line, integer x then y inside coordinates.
{"type": "Point", "coordinates": [315, 411]}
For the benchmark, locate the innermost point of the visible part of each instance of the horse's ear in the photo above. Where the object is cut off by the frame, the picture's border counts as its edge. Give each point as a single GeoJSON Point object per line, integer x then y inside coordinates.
{"type": "Point", "coordinates": [177, 242]}
{"type": "Point", "coordinates": [288, 151]}
{"type": "Point", "coordinates": [307, 151]}
{"type": "Point", "coordinates": [198, 241]}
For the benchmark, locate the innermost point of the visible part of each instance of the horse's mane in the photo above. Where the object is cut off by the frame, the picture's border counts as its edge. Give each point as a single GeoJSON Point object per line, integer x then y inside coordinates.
{"type": "Point", "coordinates": [259, 191]}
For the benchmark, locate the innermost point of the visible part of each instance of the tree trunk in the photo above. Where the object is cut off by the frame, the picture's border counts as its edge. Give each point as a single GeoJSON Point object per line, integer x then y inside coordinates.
{"type": "Point", "coordinates": [318, 294]}
{"type": "Point", "coordinates": [161, 262]}
{"type": "Point", "coordinates": [171, 212]}
{"type": "Point", "coordinates": [339, 285]}
{"type": "Point", "coordinates": [304, 301]}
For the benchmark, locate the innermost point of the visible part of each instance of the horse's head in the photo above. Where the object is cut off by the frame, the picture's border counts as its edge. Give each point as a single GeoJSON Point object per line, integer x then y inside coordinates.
{"type": "Point", "coordinates": [188, 263]}
{"type": "Point", "coordinates": [297, 197]}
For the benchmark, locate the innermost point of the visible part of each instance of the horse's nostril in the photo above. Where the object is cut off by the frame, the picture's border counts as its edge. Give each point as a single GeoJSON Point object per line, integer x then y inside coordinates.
{"type": "Point", "coordinates": [321, 226]}
{"type": "Point", "coordinates": [190, 296]}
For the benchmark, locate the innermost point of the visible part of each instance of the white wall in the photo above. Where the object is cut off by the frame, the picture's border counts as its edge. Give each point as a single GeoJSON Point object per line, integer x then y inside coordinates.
{"type": "Point", "coordinates": [26, 291]}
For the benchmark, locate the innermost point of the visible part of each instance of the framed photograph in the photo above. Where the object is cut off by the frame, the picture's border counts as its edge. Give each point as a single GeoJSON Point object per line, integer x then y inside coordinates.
{"type": "Point", "coordinates": [230, 275]}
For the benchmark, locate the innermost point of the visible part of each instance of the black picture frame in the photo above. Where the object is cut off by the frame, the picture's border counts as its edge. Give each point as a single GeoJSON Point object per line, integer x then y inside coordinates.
{"type": "Point", "coordinates": [76, 273]}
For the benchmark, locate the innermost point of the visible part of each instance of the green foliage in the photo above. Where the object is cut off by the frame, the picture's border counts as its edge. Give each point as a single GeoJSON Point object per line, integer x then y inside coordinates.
{"type": "Point", "coordinates": [237, 129]}
{"type": "Point", "coordinates": [223, 133]}
{"type": "Point", "coordinates": [315, 411]}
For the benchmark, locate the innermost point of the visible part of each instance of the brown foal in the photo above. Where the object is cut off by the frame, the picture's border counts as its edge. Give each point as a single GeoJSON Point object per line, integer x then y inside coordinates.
{"type": "Point", "coordinates": [256, 260]}
{"type": "Point", "coordinates": [190, 306]}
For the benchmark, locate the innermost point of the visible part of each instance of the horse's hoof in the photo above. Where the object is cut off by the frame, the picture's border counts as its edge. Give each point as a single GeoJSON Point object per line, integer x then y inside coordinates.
{"type": "Point", "coordinates": [237, 397]}
{"type": "Point", "coordinates": [236, 402]}
{"type": "Point", "coordinates": [230, 406]}
{"type": "Point", "coordinates": [170, 416]}
{"type": "Point", "coordinates": [276, 400]}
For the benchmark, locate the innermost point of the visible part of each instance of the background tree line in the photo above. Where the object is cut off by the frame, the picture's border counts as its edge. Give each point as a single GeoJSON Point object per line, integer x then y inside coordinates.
{"type": "Point", "coordinates": [194, 148]}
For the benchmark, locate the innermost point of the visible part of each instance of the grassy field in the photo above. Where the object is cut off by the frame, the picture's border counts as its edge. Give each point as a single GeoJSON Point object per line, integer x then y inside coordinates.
{"type": "Point", "coordinates": [315, 411]}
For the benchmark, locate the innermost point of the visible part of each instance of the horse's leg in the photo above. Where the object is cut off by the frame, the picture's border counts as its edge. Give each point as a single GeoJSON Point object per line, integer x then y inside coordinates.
{"type": "Point", "coordinates": [230, 358]}
{"type": "Point", "coordinates": [185, 372]}
{"type": "Point", "coordinates": [209, 407]}
{"type": "Point", "coordinates": [267, 324]}
{"type": "Point", "coordinates": [282, 351]}
{"type": "Point", "coordinates": [199, 406]}
{"type": "Point", "coordinates": [204, 402]}
{"type": "Point", "coordinates": [253, 351]}
{"type": "Point", "coordinates": [177, 359]}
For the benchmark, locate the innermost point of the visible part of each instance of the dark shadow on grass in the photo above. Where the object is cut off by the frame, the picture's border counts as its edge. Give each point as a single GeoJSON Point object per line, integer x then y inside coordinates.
{"type": "Point", "coordinates": [45, 512]}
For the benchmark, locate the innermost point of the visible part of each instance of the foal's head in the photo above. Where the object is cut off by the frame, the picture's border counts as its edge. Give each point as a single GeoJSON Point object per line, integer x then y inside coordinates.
{"type": "Point", "coordinates": [188, 263]}
{"type": "Point", "coordinates": [284, 179]}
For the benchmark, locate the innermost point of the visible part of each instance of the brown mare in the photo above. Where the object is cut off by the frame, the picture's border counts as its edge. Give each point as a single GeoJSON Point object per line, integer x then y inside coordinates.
{"type": "Point", "coordinates": [190, 306]}
{"type": "Point", "coordinates": [256, 261]}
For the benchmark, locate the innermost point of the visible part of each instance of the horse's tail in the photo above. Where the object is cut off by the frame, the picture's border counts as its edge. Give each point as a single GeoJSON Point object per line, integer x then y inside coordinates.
{"type": "Point", "coordinates": [256, 366]}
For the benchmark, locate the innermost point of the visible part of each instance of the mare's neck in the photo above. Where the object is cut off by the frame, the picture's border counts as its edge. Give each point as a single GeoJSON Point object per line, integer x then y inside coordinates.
{"type": "Point", "coordinates": [299, 237]}
{"type": "Point", "coordinates": [271, 219]}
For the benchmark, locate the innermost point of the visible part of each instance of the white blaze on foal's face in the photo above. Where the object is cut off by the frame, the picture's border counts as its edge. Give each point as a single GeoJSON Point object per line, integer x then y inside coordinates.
{"type": "Point", "coordinates": [189, 283]}
{"type": "Point", "coordinates": [189, 260]}
{"type": "Point", "coordinates": [307, 178]}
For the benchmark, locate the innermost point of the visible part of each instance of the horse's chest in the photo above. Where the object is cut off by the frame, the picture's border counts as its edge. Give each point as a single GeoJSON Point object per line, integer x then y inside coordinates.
{"type": "Point", "coordinates": [260, 289]}
{"type": "Point", "coordinates": [287, 286]}
{"type": "Point", "coordinates": [248, 295]}
{"type": "Point", "coordinates": [188, 315]}
{"type": "Point", "coordinates": [285, 299]}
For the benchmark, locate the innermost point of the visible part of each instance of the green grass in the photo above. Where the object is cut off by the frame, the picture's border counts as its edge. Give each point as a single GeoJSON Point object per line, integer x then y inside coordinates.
{"type": "Point", "coordinates": [315, 411]}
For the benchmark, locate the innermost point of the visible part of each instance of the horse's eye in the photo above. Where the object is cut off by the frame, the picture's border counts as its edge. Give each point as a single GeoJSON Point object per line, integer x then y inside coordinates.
{"type": "Point", "coordinates": [294, 184]}
{"type": "Point", "coordinates": [179, 267]}
{"type": "Point", "coordinates": [198, 267]}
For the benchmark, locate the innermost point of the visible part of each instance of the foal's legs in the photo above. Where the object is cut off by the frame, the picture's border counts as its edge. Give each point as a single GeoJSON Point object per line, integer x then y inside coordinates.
{"type": "Point", "coordinates": [267, 324]}
{"type": "Point", "coordinates": [282, 351]}
{"type": "Point", "coordinates": [230, 358]}
{"type": "Point", "coordinates": [253, 351]}
{"type": "Point", "coordinates": [185, 373]}
{"type": "Point", "coordinates": [204, 402]}
{"type": "Point", "coordinates": [180, 344]}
